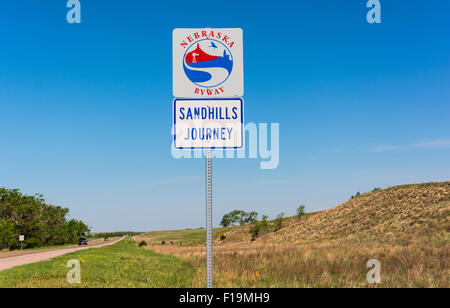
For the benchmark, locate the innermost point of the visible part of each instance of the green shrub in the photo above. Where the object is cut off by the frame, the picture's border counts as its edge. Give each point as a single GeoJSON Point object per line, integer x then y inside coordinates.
{"type": "Point", "coordinates": [278, 223]}
{"type": "Point", "coordinates": [255, 230]}
{"type": "Point", "coordinates": [6, 234]}
{"type": "Point", "coordinates": [301, 211]}
{"type": "Point", "coordinates": [142, 243]}
{"type": "Point", "coordinates": [356, 195]}
{"type": "Point", "coordinates": [259, 228]}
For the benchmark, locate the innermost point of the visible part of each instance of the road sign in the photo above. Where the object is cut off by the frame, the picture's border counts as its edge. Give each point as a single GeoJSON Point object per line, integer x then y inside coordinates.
{"type": "Point", "coordinates": [208, 123]}
{"type": "Point", "coordinates": [208, 63]}
{"type": "Point", "coordinates": [208, 111]}
{"type": "Point", "coordinates": [21, 239]}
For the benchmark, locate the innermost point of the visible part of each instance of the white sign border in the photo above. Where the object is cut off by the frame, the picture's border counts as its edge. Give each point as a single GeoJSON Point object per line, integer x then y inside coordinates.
{"type": "Point", "coordinates": [208, 99]}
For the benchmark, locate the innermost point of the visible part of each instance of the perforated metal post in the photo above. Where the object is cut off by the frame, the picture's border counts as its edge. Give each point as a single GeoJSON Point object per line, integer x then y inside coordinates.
{"type": "Point", "coordinates": [209, 244]}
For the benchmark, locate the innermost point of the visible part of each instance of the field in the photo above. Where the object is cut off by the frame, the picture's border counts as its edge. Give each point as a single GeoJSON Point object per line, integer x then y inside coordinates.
{"type": "Point", "coordinates": [121, 265]}
{"type": "Point", "coordinates": [336, 264]}
{"type": "Point", "coordinates": [406, 228]}
{"type": "Point", "coordinates": [188, 237]}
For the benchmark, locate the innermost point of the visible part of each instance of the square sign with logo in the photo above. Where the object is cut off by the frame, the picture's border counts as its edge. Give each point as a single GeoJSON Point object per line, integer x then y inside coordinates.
{"type": "Point", "coordinates": [208, 63]}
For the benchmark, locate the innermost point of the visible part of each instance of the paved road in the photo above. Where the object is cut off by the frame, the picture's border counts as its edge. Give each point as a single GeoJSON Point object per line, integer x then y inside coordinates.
{"type": "Point", "coordinates": [16, 258]}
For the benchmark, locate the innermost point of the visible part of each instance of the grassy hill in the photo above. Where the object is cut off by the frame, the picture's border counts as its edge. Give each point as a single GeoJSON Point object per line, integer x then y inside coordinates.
{"type": "Point", "coordinates": [406, 228]}
{"type": "Point", "coordinates": [397, 215]}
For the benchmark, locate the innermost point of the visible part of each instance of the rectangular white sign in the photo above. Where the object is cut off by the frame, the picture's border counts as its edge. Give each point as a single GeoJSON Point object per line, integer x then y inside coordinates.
{"type": "Point", "coordinates": [208, 123]}
{"type": "Point", "coordinates": [208, 63]}
{"type": "Point", "coordinates": [21, 238]}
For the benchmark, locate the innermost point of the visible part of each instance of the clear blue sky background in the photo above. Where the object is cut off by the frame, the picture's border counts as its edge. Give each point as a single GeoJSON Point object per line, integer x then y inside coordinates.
{"type": "Point", "coordinates": [85, 110]}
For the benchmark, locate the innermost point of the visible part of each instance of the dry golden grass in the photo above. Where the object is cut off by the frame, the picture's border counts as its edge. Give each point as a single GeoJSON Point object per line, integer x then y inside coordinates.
{"type": "Point", "coordinates": [406, 228]}
{"type": "Point", "coordinates": [317, 265]}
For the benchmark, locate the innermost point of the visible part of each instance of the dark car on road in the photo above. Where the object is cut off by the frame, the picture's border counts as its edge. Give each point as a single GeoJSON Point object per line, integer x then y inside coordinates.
{"type": "Point", "coordinates": [82, 241]}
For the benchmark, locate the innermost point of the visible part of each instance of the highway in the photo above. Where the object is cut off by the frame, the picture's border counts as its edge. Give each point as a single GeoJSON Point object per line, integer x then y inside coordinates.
{"type": "Point", "coordinates": [16, 258]}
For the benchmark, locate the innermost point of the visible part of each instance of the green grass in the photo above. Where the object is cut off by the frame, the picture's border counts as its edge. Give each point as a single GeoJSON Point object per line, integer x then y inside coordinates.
{"type": "Point", "coordinates": [120, 265]}
{"type": "Point", "coordinates": [188, 237]}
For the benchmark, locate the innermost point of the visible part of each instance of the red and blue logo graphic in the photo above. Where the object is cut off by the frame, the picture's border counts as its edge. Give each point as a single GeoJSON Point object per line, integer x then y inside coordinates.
{"type": "Point", "coordinates": [207, 63]}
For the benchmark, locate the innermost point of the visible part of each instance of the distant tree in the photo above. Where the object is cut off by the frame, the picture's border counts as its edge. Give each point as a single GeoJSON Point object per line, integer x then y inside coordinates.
{"type": "Point", "coordinates": [41, 223]}
{"type": "Point", "coordinates": [376, 189]}
{"type": "Point", "coordinates": [250, 217]}
{"type": "Point", "coordinates": [301, 211]}
{"type": "Point", "coordinates": [238, 217]}
{"type": "Point", "coordinates": [114, 234]}
{"type": "Point", "coordinates": [6, 234]}
{"type": "Point", "coordinates": [142, 243]}
{"type": "Point", "coordinates": [226, 220]}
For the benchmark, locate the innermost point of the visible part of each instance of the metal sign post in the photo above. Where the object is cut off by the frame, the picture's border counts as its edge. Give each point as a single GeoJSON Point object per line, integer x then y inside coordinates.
{"type": "Point", "coordinates": [209, 243]}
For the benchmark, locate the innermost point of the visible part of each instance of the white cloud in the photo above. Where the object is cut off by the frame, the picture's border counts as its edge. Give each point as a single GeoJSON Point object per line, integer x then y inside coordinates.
{"type": "Point", "coordinates": [428, 144]}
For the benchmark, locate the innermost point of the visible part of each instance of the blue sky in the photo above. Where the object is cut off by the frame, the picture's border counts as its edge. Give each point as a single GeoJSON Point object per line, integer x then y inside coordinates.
{"type": "Point", "coordinates": [85, 110]}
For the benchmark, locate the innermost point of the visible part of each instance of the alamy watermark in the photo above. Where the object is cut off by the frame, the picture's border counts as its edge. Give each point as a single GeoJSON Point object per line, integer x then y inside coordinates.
{"type": "Point", "coordinates": [74, 275]}
{"type": "Point", "coordinates": [374, 274]}
{"type": "Point", "coordinates": [74, 14]}
{"type": "Point", "coordinates": [257, 145]}
{"type": "Point", "coordinates": [374, 14]}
